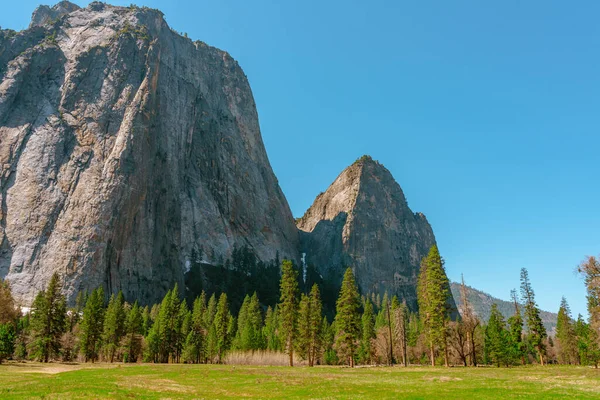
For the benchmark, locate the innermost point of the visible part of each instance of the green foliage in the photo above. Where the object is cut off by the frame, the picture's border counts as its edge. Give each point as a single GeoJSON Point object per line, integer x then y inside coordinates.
{"type": "Point", "coordinates": [114, 325]}
{"type": "Point", "coordinates": [7, 340]}
{"type": "Point", "coordinates": [134, 328]}
{"type": "Point", "coordinates": [195, 343]}
{"type": "Point", "coordinates": [309, 326]}
{"type": "Point", "coordinates": [48, 321]}
{"type": "Point", "coordinates": [270, 330]}
{"type": "Point", "coordinates": [365, 352]}
{"type": "Point", "coordinates": [565, 333]}
{"type": "Point", "coordinates": [288, 307]}
{"type": "Point", "coordinates": [249, 326]}
{"type": "Point", "coordinates": [517, 348]}
{"type": "Point", "coordinates": [92, 325]}
{"type": "Point", "coordinates": [347, 319]}
{"type": "Point", "coordinates": [222, 324]}
{"type": "Point", "coordinates": [433, 291]}
{"type": "Point", "coordinates": [497, 339]}
{"type": "Point", "coordinates": [535, 327]}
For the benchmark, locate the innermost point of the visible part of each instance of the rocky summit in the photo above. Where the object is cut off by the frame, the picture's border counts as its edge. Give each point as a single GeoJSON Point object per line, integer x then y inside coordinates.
{"type": "Point", "coordinates": [363, 221]}
{"type": "Point", "coordinates": [124, 149]}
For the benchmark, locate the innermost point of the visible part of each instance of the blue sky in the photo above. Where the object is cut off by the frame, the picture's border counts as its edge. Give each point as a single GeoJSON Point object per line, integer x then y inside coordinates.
{"type": "Point", "coordinates": [486, 113]}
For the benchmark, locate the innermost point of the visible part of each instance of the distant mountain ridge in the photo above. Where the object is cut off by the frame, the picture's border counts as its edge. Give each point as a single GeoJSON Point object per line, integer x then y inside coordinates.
{"type": "Point", "coordinates": [482, 304]}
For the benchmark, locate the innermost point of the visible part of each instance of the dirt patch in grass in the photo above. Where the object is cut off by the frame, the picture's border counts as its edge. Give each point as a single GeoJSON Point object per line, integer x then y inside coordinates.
{"type": "Point", "coordinates": [50, 368]}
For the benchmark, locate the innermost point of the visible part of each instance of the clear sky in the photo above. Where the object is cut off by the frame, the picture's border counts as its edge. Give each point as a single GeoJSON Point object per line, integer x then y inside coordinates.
{"type": "Point", "coordinates": [486, 113]}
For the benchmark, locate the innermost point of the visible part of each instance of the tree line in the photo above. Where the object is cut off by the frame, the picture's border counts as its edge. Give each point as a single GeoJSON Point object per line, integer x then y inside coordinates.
{"type": "Point", "coordinates": [369, 329]}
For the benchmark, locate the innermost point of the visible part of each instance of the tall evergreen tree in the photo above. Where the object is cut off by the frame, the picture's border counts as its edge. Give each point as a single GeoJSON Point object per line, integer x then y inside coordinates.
{"type": "Point", "coordinates": [270, 330]}
{"type": "Point", "coordinates": [433, 290]}
{"type": "Point", "coordinates": [316, 315]}
{"type": "Point", "coordinates": [196, 339]}
{"type": "Point", "coordinates": [515, 324]}
{"type": "Point", "coordinates": [48, 320]}
{"type": "Point", "coordinates": [92, 325]}
{"type": "Point", "coordinates": [134, 326]}
{"type": "Point", "coordinates": [565, 333]}
{"type": "Point", "coordinates": [590, 270]}
{"type": "Point", "coordinates": [368, 333]}
{"type": "Point", "coordinates": [496, 338]}
{"type": "Point", "coordinates": [401, 330]}
{"type": "Point", "coordinates": [211, 335]}
{"type": "Point", "coordinates": [288, 308]}
{"type": "Point", "coordinates": [222, 326]}
{"type": "Point", "coordinates": [537, 332]}
{"type": "Point", "coordinates": [347, 318]}
{"type": "Point", "coordinates": [114, 325]}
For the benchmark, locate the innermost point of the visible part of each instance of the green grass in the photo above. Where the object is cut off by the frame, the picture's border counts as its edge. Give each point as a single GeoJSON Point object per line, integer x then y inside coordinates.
{"type": "Point", "coordinates": [149, 381]}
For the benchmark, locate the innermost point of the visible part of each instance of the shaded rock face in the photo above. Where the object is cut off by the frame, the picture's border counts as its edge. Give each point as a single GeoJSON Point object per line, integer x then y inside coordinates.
{"type": "Point", "coordinates": [124, 149]}
{"type": "Point", "coordinates": [363, 221]}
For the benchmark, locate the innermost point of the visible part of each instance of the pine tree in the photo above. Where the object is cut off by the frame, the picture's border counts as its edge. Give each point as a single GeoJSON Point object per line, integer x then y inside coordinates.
{"type": "Point", "coordinates": [288, 308]}
{"type": "Point", "coordinates": [146, 321]}
{"type": "Point", "coordinates": [168, 326]}
{"type": "Point", "coordinates": [221, 327]}
{"type": "Point", "coordinates": [537, 332]}
{"type": "Point", "coordinates": [92, 325]}
{"type": "Point", "coordinates": [368, 333]}
{"type": "Point", "coordinates": [241, 321]}
{"type": "Point", "coordinates": [515, 324]}
{"type": "Point", "coordinates": [48, 320]}
{"type": "Point", "coordinates": [565, 333]}
{"type": "Point", "coordinates": [347, 318]}
{"type": "Point", "coordinates": [316, 314]}
{"type": "Point", "coordinates": [496, 338]}
{"type": "Point", "coordinates": [590, 270]}
{"type": "Point", "coordinates": [7, 340]}
{"type": "Point", "coordinates": [114, 325]}
{"type": "Point", "coordinates": [182, 328]}
{"type": "Point", "coordinates": [401, 315]}
{"type": "Point", "coordinates": [134, 326]}
{"type": "Point", "coordinates": [270, 330]}
{"type": "Point", "coordinates": [433, 290]}
{"type": "Point", "coordinates": [252, 337]}
{"type": "Point", "coordinates": [196, 338]}
{"type": "Point", "coordinates": [211, 337]}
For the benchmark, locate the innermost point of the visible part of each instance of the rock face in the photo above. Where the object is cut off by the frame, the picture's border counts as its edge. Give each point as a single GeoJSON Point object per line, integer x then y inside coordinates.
{"type": "Point", "coordinates": [363, 221]}
{"type": "Point", "coordinates": [124, 149]}
{"type": "Point", "coordinates": [44, 14]}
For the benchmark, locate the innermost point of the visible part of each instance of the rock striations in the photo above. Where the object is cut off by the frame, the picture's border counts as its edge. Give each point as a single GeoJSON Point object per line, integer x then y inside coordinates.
{"type": "Point", "coordinates": [363, 221]}
{"type": "Point", "coordinates": [124, 149]}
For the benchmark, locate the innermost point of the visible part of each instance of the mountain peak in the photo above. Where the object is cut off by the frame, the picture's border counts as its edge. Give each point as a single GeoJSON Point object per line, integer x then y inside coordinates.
{"type": "Point", "coordinates": [45, 14]}
{"type": "Point", "coordinates": [363, 221]}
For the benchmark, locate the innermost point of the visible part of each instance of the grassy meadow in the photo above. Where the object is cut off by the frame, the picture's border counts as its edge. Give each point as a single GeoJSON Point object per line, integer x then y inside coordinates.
{"type": "Point", "coordinates": [154, 381]}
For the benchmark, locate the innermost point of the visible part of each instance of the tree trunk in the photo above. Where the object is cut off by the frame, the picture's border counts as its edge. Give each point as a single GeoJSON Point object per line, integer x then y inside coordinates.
{"type": "Point", "coordinates": [432, 354]}
{"type": "Point", "coordinates": [473, 354]}
{"type": "Point", "coordinates": [291, 357]}
{"type": "Point", "coordinates": [446, 361]}
{"type": "Point", "coordinates": [541, 356]}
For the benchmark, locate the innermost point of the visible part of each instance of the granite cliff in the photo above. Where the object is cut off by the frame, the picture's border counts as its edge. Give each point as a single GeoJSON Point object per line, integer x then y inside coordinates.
{"type": "Point", "coordinates": [363, 221]}
{"type": "Point", "coordinates": [124, 149]}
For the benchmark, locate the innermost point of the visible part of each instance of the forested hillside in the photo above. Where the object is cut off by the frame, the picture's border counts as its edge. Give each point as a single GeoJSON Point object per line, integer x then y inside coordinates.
{"type": "Point", "coordinates": [482, 305]}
